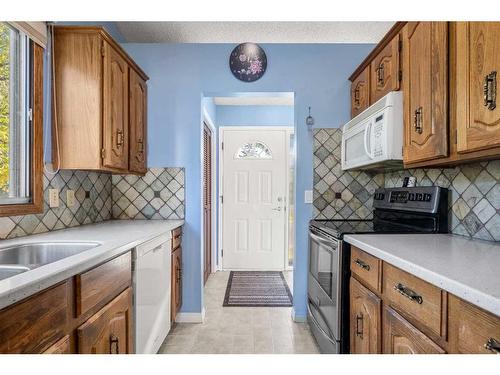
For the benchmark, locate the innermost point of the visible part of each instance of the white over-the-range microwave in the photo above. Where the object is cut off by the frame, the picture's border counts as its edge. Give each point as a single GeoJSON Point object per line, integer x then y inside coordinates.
{"type": "Point", "coordinates": [374, 138]}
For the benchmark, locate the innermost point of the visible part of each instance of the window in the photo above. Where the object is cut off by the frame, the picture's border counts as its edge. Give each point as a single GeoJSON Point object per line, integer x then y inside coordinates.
{"type": "Point", "coordinates": [20, 126]}
{"type": "Point", "coordinates": [253, 150]}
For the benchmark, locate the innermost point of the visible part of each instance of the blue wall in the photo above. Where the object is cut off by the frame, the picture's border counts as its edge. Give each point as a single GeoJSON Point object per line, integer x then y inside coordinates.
{"type": "Point", "coordinates": [270, 115]}
{"type": "Point", "coordinates": [180, 75]}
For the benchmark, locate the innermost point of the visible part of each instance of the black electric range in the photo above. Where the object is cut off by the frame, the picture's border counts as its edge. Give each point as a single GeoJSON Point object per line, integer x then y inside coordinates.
{"type": "Point", "coordinates": [396, 210]}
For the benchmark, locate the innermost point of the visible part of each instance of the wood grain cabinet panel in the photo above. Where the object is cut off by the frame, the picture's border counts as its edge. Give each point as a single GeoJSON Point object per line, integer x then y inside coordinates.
{"type": "Point", "coordinates": [425, 65]}
{"type": "Point", "coordinates": [176, 292]}
{"type": "Point", "coordinates": [110, 330]}
{"type": "Point", "coordinates": [401, 337]}
{"type": "Point", "coordinates": [137, 120]}
{"type": "Point", "coordinates": [367, 268]}
{"type": "Point", "coordinates": [360, 92]}
{"type": "Point", "coordinates": [475, 331]}
{"type": "Point", "coordinates": [103, 282]}
{"type": "Point", "coordinates": [420, 301]}
{"type": "Point", "coordinates": [62, 346]}
{"type": "Point", "coordinates": [365, 321]}
{"type": "Point", "coordinates": [385, 71]}
{"type": "Point", "coordinates": [115, 109]}
{"type": "Point", "coordinates": [478, 76]}
{"type": "Point", "coordinates": [32, 325]}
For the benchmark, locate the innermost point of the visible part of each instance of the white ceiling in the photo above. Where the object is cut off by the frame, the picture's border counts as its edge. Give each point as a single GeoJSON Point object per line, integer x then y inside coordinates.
{"type": "Point", "coordinates": [262, 100]}
{"type": "Point", "coordinates": [258, 32]}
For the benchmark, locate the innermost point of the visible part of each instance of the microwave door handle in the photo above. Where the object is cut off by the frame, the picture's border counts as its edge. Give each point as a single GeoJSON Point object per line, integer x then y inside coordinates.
{"type": "Point", "coordinates": [367, 134]}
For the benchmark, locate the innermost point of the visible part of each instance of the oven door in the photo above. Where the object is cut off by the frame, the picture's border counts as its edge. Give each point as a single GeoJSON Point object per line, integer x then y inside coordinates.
{"type": "Point", "coordinates": [324, 283]}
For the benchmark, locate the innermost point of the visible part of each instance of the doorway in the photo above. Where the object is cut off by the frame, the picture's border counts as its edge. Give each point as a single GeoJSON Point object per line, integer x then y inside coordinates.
{"type": "Point", "coordinates": [254, 165]}
{"type": "Point", "coordinates": [207, 201]}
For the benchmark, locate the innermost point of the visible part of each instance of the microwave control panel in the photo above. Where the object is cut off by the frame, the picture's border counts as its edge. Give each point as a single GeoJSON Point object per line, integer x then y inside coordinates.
{"type": "Point", "coordinates": [378, 136]}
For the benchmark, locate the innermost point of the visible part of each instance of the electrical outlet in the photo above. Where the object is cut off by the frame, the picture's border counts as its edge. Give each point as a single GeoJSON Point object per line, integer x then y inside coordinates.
{"type": "Point", "coordinates": [308, 196]}
{"type": "Point", "coordinates": [70, 198]}
{"type": "Point", "coordinates": [54, 197]}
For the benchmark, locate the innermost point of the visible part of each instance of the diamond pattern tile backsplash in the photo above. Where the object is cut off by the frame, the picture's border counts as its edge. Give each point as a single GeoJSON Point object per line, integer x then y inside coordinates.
{"type": "Point", "coordinates": [157, 195]}
{"type": "Point", "coordinates": [474, 198]}
{"type": "Point", "coordinates": [92, 204]}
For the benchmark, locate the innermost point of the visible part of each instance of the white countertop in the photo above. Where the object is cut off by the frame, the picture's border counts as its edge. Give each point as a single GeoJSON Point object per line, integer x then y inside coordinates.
{"type": "Point", "coordinates": [115, 238]}
{"type": "Point", "coordinates": [469, 269]}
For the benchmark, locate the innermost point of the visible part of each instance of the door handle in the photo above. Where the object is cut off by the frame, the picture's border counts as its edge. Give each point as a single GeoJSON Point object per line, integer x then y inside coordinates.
{"type": "Point", "coordinates": [359, 318]}
{"type": "Point", "coordinates": [276, 209]}
{"type": "Point", "coordinates": [367, 133]}
{"type": "Point", "coordinates": [113, 340]}
{"type": "Point", "coordinates": [490, 90]}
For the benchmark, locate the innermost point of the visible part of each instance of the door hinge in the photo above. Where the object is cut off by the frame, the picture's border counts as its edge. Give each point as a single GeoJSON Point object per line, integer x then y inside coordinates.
{"type": "Point", "coordinates": [400, 45]}
{"type": "Point", "coordinates": [30, 115]}
{"type": "Point", "coordinates": [222, 253]}
{"type": "Point", "coordinates": [222, 146]}
{"type": "Point", "coordinates": [103, 153]}
{"type": "Point", "coordinates": [221, 199]}
{"type": "Point", "coordinates": [456, 137]}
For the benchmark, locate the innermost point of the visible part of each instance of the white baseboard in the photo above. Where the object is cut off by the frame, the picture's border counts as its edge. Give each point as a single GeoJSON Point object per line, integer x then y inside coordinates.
{"type": "Point", "coordinates": [185, 317]}
{"type": "Point", "coordinates": [298, 318]}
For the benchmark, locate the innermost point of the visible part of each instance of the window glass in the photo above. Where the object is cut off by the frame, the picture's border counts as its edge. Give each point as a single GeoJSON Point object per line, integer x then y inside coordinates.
{"type": "Point", "coordinates": [253, 150]}
{"type": "Point", "coordinates": [14, 116]}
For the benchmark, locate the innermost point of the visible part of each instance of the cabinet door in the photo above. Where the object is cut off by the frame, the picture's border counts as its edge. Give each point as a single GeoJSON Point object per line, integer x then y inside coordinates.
{"type": "Point", "coordinates": [115, 110]}
{"type": "Point", "coordinates": [400, 337]}
{"type": "Point", "coordinates": [425, 66]}
{"type": "Point", "coordinates": [365, 321]}
{"type": "Point", "coordinates": [109, 331]}
{"type": "Point", "coordinates": [384, 71]}
{"type": "Point", "coordinates": [176, 282]}
{"type": "Point", "coordinates": [477, 75]}
{"type": "Point", "coordinates": [137, 117]}
{"type": "Point", "coordinates": [360, 92]}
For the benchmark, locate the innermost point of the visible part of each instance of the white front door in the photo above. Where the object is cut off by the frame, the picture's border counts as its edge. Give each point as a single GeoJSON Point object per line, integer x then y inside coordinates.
{"type": "Point", "coordinates": [254, 183]}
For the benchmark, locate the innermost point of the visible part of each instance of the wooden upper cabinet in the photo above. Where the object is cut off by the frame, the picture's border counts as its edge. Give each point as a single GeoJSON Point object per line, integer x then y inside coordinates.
{"type": "Point", "coordinates": [109, 331]}
{"type": "Point", "coordinates": [425, 65]}
{"type": "Point", "coordinates": [401, 337]}
{"type": "Point", "coordinates": [93, 102]}
{"type": "Point", "coordinates": [477, 76]}
{"type": "Point", "coordinates": [360, 92]}
{"type": "Point", "coordinates": [385, 71]}
{"type": "Point", "coordinates": [365, 320]}
{"type": "Point", "coordinates": [115, 109]}
{"type": "Point", "coordinates": [137, 120]}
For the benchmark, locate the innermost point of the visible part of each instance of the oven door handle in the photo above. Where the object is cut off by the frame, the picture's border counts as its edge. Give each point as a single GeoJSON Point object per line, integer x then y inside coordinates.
{"type": "Point", "coordinates": [313, 318]}
{"type": "Point", "coordinates": [327, 243]}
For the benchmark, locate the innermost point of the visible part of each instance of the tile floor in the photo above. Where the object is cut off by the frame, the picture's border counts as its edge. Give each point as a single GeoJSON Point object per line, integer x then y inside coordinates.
{"type": "Point", "coordinates": [239, 330]}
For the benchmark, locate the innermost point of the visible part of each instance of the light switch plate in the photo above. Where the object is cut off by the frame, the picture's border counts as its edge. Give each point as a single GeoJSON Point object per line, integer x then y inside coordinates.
{"type": "Point", "coordinates": [70, 198]}
{"type": "Point", "coordinates": [308, 196]}
{"type": "Point", "coordinates": [54, 197]}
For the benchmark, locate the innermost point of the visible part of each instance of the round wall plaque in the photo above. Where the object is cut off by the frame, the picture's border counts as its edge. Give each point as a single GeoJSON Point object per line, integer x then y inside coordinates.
{"type": "Point", "coordinates": [248, 62]}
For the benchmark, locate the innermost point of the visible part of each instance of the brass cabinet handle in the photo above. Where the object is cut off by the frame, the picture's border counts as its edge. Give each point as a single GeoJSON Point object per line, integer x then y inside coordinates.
{"type": "Point", "coordinates": [113, 340]}
{"type": "Point", "coordinates": [490, 90]}
{"type": "Point", "coordinates": [492, 345]}
{"type": "Point", "coordinates": [140, 151]}
{"type": "Point", "coordinates": [141, 145]}
{"type": "Point", "coordinates": [179, 273]}
{"type": "Point", "coordinates": [119, 137]}
{"type": "Point", "coordinates": [417, 120]}
{"type": "Point", "coordinates": [359, 318]}
{"type": "Point", "coordinates": [408, 293]}
{"type": "Point", "coordinates": [356, 96]}
{"type": "Point", "coordinates": [380, 74]}
{"type": "Point", "coordinates": [362, 264]}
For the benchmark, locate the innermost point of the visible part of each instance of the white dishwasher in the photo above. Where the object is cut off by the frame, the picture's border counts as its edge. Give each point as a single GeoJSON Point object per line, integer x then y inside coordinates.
{"type": "Point", "coordinates": [152, 294]}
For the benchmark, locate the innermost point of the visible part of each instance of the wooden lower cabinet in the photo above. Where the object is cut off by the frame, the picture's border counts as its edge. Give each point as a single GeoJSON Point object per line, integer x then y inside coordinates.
{"type": "Point", "coordinates": [365, 324]}
{"type": "Point", "coordinates": [176, 293]}
{"type": "Point", "coordinates": [409, 315]}
{"type": "Point", "coordinates": [110, 330]}
{"type": "Point", "coordinates": [401, 337]}
{"type": "Point", "coordinates": [54, 322]}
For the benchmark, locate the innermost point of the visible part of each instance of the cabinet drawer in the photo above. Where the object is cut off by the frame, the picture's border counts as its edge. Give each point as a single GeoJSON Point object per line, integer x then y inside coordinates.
{"type": "Point", "coordinates": [478, 330]}
{"type": "Point", "coordinates": [366, 267]}
{"type": "Point", "coordinates": [102, 283]}
{"type": "Point", "coordinates": [415, 298]}
{"type": "Point", "coordinates": [32, 325]}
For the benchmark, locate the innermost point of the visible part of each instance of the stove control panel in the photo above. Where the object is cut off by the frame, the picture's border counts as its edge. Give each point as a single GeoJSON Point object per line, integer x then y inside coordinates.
{"type": "Point", "coordinates": [422, 199]}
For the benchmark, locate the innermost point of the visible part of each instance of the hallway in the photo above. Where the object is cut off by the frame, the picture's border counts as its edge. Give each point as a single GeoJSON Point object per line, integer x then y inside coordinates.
{"type": "Point", "coordinates": [244, 330]}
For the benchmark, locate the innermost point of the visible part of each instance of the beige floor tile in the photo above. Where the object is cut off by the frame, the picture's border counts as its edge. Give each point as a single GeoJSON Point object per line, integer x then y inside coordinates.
{"type": "Point", "coordinates": [242, 330]}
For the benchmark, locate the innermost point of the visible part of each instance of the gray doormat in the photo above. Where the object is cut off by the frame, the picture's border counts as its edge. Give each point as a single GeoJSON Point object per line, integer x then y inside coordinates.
{"type": "Point", "coordinates": [257, 288]}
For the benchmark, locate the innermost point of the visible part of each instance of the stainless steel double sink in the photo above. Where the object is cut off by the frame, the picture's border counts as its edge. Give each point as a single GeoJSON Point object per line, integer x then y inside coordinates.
{"type": "Point", "coordinates": [24, 257]}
